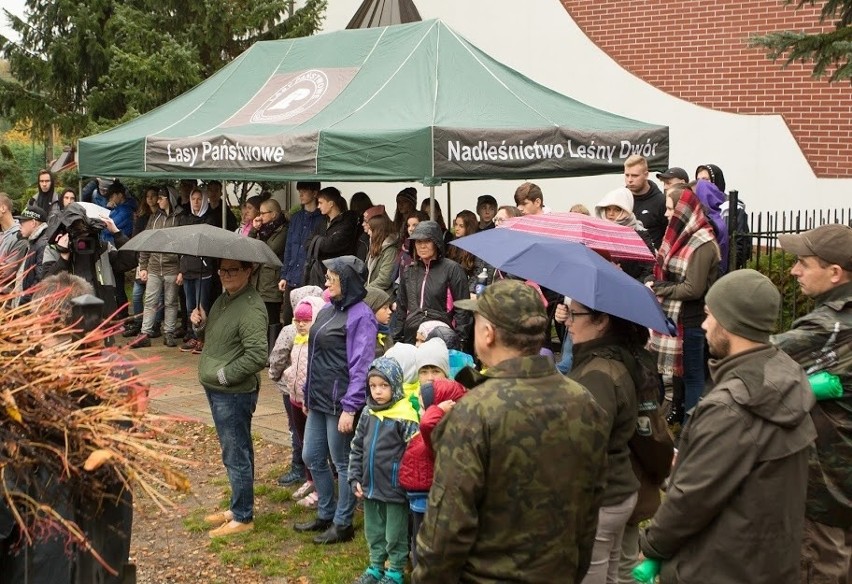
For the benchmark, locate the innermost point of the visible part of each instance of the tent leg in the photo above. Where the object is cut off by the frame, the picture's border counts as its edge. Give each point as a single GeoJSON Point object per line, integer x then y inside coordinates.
{"type": "Point", "coordinates": [432, 203]}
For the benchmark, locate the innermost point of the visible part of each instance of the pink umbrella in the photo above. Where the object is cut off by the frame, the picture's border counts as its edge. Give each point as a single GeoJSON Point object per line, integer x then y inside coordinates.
{"type": "Point", "coordinates": [620, 242]}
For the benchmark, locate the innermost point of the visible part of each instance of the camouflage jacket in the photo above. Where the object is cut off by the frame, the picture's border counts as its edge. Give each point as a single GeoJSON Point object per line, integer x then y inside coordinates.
{"type": "Point", "coordinates": [822, 341]}
{"type": "Point", "coordinates": [519, 477]}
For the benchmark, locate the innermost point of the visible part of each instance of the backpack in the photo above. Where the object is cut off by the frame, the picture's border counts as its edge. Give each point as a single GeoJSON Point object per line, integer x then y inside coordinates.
{"type": "Point", "coordinates": [651, 444]}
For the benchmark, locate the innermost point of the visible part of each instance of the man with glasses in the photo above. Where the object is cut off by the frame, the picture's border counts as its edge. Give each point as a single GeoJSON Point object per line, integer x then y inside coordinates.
{"type": "Point", "coordinates": [234, 352]}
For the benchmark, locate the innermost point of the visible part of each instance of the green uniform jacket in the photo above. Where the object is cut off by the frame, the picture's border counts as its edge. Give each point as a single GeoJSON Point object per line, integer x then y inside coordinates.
{"type": "Point", "coordinates": [822, 341]}
{"type": "Point", "coordinates": [734, 509]}
{"type": "Point", "coordinates": [519, 476]}
{"type": "Point", "coordinates": [598, 369]}
{"type": "Point", "coordinates": [265, 278]}
{"type": "Point", "coordinates": [235, 343]}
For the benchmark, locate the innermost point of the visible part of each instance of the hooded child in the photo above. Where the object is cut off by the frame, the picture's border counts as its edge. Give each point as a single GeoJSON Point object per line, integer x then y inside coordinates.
{"type": "Point", "coordinates": [279, 360]}
{"type": "Point", "coordinates": [379, 302]}
{"type": "Point", "coordinates": [418, 463]}
{"type": "Point", "coordinates": [406, 356]}
{"type": "Point", "coordinates": [383, 432]}
{"type": "Point", "coordinates": [433, 360]}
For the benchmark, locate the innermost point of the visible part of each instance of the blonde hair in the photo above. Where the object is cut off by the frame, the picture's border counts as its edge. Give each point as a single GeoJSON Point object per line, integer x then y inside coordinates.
{"type": "Point", "coordinates": [636, 160]}
{"type": "Point", "coordinates": [579, 208]}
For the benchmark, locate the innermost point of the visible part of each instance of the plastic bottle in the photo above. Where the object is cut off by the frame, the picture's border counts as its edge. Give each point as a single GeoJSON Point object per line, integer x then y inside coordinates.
{"type": "Point", "coordinates": [481, 282]}
{"type": "Point", "coordinates": [825, 385]}
{"type": "Point", "coordinates": [647, 571]}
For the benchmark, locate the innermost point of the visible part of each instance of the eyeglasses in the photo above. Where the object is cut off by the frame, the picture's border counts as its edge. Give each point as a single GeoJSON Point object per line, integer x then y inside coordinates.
{"type": "Point", "coordinates": [498, 220]}
{"type": "Point", "coordinates": [230, 272]}
{"type": "Point", "coordinates": [267, 212]}
{"type": "Point", "coordinates": [572, 314]}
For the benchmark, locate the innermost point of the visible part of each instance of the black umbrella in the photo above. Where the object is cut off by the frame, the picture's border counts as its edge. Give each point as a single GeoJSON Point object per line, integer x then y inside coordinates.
{"type": "Point", "coordinates": [203, 241]}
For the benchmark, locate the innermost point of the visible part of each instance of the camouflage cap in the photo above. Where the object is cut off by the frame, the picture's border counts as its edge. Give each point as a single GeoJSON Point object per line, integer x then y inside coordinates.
{"type": "Point", "coordinates": [511, 306]}
{"type": "Point", "coordinates": [831, 243]}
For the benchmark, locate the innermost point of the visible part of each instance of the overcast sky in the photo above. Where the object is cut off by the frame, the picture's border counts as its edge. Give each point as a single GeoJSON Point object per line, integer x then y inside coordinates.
{"type": "Point", "coordinates": [15, 7]}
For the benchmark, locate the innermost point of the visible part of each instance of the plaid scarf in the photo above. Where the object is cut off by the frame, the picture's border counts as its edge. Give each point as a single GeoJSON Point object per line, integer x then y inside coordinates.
{"type": "Point", "coordinates": [688, 230]}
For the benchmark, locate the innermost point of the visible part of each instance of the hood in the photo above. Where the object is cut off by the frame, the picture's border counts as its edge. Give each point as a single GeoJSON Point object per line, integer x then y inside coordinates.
{"type": "Point", "coordinates": [174, 197]}
{"type": "Point", "coordinates": [427, 326]}
{"type": "Point", "coordinates": [299, 294]}
{"type": "Point", "coordinates": [446, 334]}
{"type": "Point", "coordinates": [316, 303]}
{"type": "Point", "coordinates": [622, 197]}
{"type": "Point", "coordinates": [390, 370]}
{"type": "Point", "coordinates": [205, 205]}
{"type": "Point", "coordinates": [353, 276]}
{"type": "Point", "coordinates": [774, 386]}
{"type": "Point", "coordinates": [71, 213]}
{"type": "Point", "coordinates": [38, 232]}
{"type": "Point", "coordinates": [427, 230]}
{"type": "Point", "coordinates": [434, 352]}
{"type": "Point", "coordinates": [709, 195]}
{"type": "Point", "coordinates": [446, 389]}
{"type": "Point", "coordinates": [716, 175]}
{"type": "Point", "coordinates": [406, 356]}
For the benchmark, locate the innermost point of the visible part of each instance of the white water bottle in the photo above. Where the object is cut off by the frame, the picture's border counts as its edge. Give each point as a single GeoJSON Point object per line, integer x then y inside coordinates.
{"type": "Point", "coordinates": [481, 282]}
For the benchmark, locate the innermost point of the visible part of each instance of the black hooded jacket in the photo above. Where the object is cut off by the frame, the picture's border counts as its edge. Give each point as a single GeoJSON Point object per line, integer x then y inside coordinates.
{"type": "Point", "coordinates": [424, 286]}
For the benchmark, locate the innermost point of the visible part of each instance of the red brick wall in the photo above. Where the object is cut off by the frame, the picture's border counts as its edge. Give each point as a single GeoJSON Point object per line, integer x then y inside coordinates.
{"type": "Point", "coordinates": [697, 51]}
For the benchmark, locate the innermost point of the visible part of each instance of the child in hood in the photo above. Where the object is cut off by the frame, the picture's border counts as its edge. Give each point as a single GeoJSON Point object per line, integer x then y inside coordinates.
{"type": "Point", "coordinates": [418, 463]}
{"type": "Point", "coordinates": [406, 356]}
{"type": "Point", "coordinates": [433, 360]}
{"type": "Point", "coordinates": [386, 425]}
{"type": "Point", "coordinates": [279, 360]}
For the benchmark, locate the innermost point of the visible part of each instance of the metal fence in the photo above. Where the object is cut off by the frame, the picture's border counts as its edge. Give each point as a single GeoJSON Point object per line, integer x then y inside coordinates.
{"type": "Point", "coordinates": [766, 255]}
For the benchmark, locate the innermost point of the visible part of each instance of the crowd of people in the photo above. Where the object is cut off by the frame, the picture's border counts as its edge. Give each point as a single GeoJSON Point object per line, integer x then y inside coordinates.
{"type": "Point", "coordinates": [425, 385]}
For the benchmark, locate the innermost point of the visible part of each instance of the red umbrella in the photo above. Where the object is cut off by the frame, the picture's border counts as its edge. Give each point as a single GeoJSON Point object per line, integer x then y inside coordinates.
{"type": "Point", "coordinates": [620, 242]}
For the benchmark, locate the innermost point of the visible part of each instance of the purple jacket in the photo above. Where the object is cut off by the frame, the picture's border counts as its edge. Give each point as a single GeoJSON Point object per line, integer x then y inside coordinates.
{"type": "Point", "coordinates": [711, 199]}
{"type": "Point", "coordinates": [341, 345]}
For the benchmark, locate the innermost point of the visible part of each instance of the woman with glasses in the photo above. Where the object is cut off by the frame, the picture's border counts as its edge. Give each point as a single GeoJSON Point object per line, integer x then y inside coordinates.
{"type": "Point", "coordinates": [341, 346]}
{"type": "Point", "coordinates": [270, 227]}
{"type": "Point", "coordinates": [607, 350]}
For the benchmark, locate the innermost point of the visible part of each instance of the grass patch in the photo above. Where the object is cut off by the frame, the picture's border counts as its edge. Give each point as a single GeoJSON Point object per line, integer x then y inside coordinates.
{"type": "Point", "coordinates": [275, 549]}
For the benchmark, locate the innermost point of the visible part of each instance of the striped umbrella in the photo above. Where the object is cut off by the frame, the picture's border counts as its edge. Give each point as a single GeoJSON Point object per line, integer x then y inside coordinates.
{"type": "Point", "coordinates": [620, 242]}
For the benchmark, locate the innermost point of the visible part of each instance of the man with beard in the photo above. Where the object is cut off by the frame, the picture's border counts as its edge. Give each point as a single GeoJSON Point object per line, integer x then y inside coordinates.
{"type": "Point", "coordinates": [734, 508]}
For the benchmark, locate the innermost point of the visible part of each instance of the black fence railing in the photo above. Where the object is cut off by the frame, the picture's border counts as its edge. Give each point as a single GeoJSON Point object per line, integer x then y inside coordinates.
{"type": "Point", "coordinates": [757, 245]}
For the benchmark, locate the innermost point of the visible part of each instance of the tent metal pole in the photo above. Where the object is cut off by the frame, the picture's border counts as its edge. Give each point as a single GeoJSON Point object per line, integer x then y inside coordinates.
{"type": "Point", "coordinates": [449, 216]}
{"type": "Point", "coordinates": [432, 203]}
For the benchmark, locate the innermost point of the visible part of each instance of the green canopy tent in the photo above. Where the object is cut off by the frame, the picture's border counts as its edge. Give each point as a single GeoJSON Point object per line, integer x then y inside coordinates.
{"type": "Point", "coordinates": [407, 103]}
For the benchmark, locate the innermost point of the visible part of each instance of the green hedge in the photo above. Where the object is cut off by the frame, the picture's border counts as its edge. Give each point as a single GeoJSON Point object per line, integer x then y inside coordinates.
{"type": "Point", "coordinates": [777, 268]}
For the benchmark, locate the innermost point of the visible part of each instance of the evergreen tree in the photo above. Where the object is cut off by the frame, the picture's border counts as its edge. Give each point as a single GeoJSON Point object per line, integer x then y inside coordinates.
{"type": "Point", "coordinates": [81, 63]}
{"type": "Point", "coordinates": [830, 52]}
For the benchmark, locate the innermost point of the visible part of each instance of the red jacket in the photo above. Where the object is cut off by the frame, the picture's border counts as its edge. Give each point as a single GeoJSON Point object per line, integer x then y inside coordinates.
{"type": "Point", "coordinates": [418, 462]}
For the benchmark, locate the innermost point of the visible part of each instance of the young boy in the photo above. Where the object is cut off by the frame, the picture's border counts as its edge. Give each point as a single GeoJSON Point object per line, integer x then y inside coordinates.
{"type": "Point", "coordinates": [386, 425]}
{"type": "Point", "coordinates": [433, 360]}
{"type": "Point", "coordinates": [379, 302]}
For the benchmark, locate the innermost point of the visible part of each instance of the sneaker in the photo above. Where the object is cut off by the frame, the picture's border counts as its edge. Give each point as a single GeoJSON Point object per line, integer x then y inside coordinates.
{"type": "Point", "coordinates": [370, 576]}
{"type": "Point", "coordinates": [310, 501]}
{"type": "Point", "coordinates": [231, 528]}
{"type": "Point", "coordinates": [219, 518]}
{"type": "Point", "coordinates": [198, 346]}
{"type": "Point", "coordinates": [169, 340]}
{"type": "Point", "coordinates": [142, 340]}
{"type": "Point", "coordinates": [188, 346]}
{"type": "Point", "coordinates": [392, 577]}
{"type": "Point", "coordinates": [306, 489]}
{"type": "Point", "coordinates": [131, 329]}
{"type": "Point", "coordinates": [156, 333]}
{"type": "Point", "coordinates": [292, 476]}
{"type": "Point", "coordinates": [335, 534]}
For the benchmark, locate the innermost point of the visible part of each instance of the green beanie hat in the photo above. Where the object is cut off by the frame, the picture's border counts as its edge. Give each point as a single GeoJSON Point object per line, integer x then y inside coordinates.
{"type": "Point", "coordinates": [746, 304]}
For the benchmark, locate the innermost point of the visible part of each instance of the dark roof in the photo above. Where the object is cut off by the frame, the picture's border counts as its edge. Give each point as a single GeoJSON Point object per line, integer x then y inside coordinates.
{"type": "Point", "coordinates": [374, 13]}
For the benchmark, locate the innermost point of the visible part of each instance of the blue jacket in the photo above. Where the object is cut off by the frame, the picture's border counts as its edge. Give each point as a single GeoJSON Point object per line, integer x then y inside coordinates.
{"type": "Point", "coordinates": [381, 437]}
{"type": "Point", "coordinates": [341, 344]}
{"type": "Point", "coordinates": [302, 226]}
{"type": "Point", "coordinates": [122, 216]}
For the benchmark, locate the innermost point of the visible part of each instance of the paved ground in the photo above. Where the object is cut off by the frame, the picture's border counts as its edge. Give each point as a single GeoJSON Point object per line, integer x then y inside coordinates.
{"type": "Point", "coordinates": [175, 390]}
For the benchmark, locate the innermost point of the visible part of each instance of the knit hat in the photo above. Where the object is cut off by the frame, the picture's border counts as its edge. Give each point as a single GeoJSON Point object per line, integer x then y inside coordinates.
{"type": "Point", "coordinates": [434, 352]}
{"type": "Point", "coordinates": [409, 193]}
{"type": "Point", "coordinates": [831, 243]}
{"type": "Point", "coordinates": [375, 211]}
{"type": "Point", "coordinates": [406, 356]}
{"type": "Point", "coordinates": [746, 304]}
{"type": "Point", "coordinates": [511, 306]}
{"type": "Point", "coordinates": [304, 311]}
{"type": "Point", "coordinates": [376, 298]}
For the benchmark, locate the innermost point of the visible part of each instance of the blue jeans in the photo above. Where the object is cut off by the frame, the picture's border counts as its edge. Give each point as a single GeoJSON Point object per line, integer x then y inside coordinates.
{"type": "Point", "coordinates": [197, 293]}
{"type": "Point", "coordinates": [322, 439]}
{"type": "Point", "coordinates": [567, 361]}
{"type": "Point", "coordinates": [693, 366]}
{"type": "Point", "coordinates": [139, 303]}
{"type": "Point", "coordinates": [232, 413]}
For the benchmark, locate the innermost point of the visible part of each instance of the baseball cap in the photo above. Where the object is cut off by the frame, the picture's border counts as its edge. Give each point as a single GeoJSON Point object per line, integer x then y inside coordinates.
{"type": "Point", "coordinates": [32, 212]}
{"type": "Point", "coordinates": [510, 305]}
{"type": "Point", "coordinates": [831, 243]}
{"type": "Point", "coordinates": [673, 172]}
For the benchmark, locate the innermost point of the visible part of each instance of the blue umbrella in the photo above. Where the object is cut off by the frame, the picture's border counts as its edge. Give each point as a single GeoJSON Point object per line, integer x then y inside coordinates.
{"type": "Point", "coordinates": [571, 269]}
